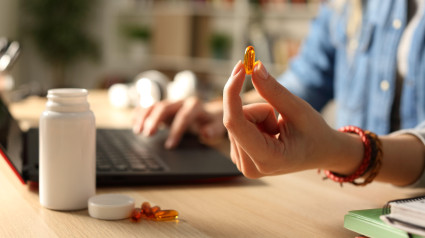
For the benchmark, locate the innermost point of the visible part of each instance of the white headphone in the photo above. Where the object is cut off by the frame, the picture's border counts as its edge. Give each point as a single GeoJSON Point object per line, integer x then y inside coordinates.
{"type": "Point", "coordinates": [153, 86]}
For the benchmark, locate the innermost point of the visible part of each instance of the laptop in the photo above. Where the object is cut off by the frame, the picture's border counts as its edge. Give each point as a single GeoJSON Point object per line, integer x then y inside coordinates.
{"type": "Point", "coordinates": [122, 158]}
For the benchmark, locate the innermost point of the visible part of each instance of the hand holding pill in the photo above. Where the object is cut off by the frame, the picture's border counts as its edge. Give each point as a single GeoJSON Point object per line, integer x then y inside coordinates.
{"type": "Point", "coordinates": [263, 142]}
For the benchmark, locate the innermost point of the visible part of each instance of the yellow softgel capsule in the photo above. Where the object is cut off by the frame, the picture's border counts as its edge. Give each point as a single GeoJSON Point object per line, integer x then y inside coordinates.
{"type": "Point", "coordinates": [249, 59]}
{"type": "Point", "coordinates": [166, 215]}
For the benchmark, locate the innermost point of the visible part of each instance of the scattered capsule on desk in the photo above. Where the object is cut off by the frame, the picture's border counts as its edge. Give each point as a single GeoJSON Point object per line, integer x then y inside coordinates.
{"type": "Point", "coordinates": [147, 210]}
{"type": "Point", "coordinates": [153, 213]}
{"type": "Point", "coordinates": [136, 214]}
{"type": "Point", "coordinates": [155, 209]}
{"type": "Point", "coordinates": [249, 59]}
{"type": "Point", "coordinates": [166, 215]}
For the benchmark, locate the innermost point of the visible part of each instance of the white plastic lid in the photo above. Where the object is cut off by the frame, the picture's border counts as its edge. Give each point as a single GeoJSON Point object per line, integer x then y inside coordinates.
{"type": "Point", "coordinates": [110, 206]}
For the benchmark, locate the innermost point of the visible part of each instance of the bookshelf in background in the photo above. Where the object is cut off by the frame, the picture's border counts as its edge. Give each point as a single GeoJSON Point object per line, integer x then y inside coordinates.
{"type": "Point", "coordinates": [209, 36]}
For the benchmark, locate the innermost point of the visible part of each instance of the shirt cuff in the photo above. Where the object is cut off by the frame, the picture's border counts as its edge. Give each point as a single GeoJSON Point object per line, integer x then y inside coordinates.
{"type": "Point", "coordinates": [420, 134]}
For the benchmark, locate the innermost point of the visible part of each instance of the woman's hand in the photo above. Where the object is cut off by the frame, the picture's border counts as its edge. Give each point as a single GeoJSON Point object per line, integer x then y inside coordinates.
{"type": "Point", "coordinates": [189, 114]}
{"type": "Point", "coordinates": [263, 144]}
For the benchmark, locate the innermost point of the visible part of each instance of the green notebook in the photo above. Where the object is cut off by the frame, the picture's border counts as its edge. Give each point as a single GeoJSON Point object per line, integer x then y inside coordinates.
{"type": "Point", "coordinates": [368, 223]}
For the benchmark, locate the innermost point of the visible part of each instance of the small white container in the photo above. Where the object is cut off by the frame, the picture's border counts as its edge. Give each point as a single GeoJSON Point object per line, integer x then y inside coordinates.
{"type": "Point", "coordinates": [67, 151]}
{"type": "Point", "coordinates": [110, 206]}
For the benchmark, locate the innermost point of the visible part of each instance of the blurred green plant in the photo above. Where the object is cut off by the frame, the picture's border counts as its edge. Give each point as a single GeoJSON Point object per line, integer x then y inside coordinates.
{"type": "Point", "coordinates": [58, 28]}
{"type": "Point", "coordinates": [136, 32]}
{"type": "Point", "coordinates": [220, 45]}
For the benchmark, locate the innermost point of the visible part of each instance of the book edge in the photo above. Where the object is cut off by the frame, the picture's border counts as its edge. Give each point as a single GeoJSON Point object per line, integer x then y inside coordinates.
{"type": "Point", "coordinates": [371, 225]}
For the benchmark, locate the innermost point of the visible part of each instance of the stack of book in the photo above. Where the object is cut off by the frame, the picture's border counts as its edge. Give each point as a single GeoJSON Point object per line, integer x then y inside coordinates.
{"type": "Point", "coordinates": [399, 218]}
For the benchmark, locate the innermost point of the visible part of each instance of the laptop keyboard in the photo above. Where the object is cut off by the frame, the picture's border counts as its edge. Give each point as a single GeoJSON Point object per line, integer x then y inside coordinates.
{"type": "Point", "coordinates": [118, 150]}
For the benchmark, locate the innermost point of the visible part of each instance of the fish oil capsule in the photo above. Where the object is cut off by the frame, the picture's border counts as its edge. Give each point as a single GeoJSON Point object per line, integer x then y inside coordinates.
{"type": "Point", "coordinates": [136, 214]}
{"type": "Point", "coordinates": [153, 213]}
{"type": "Point", "coordinates": [155, 209]}
{"type": "Point", "coordinates": [166, 215]}
{"type": "Point", "coordinates": [249, 59]}
{"type": "Point", "coordinates": [147, 210]}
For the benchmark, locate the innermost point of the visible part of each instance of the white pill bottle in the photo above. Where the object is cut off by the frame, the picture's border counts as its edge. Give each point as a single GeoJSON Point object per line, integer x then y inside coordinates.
{"type": "Point", "coordinates": [67, 171]}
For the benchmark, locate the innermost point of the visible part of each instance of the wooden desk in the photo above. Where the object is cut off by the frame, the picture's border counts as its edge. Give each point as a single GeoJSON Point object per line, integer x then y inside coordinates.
{"type": "Point", "coordinates": [294, 205]}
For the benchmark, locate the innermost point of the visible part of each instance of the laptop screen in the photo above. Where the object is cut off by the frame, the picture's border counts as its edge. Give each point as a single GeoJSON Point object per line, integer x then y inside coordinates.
{"type": "Point", "coordinates": [11, 138]}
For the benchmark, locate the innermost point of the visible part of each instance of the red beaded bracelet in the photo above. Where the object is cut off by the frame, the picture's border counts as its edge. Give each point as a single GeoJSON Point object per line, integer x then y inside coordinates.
{"type": "Point", "coordinates": [365, 162]}
{"type": "Point", "coordinates": [375, 160]}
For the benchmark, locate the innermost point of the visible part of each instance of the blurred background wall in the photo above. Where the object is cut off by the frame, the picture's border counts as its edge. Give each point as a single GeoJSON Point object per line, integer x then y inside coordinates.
{"type": "Point", "coordinates": [132, 36]}
{"type": "Point", "coordinates": [9, 18]}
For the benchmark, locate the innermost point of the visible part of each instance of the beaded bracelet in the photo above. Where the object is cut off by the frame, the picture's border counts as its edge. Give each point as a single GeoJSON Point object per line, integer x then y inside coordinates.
{"type": "Point", "coordinates": [372, 158]}
{"type": "Point", "coordinates": [361, 170]}
{"type": "Point", "coordinates": [376, 159]}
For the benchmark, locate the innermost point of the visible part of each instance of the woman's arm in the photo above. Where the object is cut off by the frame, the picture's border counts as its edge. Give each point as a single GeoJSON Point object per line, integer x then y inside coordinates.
{"type": "Point", "coordinates": [300, 139]}
{"type": "Point", "coordinates": [402, 163]}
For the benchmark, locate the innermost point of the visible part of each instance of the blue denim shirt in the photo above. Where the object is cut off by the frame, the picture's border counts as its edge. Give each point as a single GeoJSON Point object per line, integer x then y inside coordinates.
{"type": "Point", "coordinates": [361, 80]}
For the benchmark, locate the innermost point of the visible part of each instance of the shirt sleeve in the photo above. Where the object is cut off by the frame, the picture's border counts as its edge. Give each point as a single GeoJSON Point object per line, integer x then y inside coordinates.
{"type": "Point", "coordinates": [419, 132]}
{"type": "Point", "coordinates": [310, 74]}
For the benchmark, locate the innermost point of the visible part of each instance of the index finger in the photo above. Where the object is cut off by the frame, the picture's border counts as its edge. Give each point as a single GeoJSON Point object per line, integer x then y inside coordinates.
{"type": "Point", "coordinates": [232, 102]}
{"type": "Point", "coordinates": [183, 118]}
{"type": "Point", "coordinates": [245, 132]}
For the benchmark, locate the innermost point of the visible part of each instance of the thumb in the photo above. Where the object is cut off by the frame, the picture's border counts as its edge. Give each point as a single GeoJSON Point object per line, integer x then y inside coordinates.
{"type": "Point", "coordinates": [275, 94]}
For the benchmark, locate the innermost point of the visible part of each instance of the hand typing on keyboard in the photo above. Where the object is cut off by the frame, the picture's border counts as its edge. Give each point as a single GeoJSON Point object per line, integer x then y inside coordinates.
{"type": "Point", "coordinates": [181, 116]}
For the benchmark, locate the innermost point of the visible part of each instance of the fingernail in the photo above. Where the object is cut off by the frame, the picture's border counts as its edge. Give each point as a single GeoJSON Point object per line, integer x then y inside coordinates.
{"type": "Point", "coordinates": [208, 133]}
{"type": "Point", "coordinates": [262, 71]}
{"type": "Point", "coordinates": [136, 129]}
{"type": "Point", "coordinates": [147, 129]}
{"type": "Point", "coordinates": [169, 143]}
{"type": "Point", "coordinates": [237, 68]}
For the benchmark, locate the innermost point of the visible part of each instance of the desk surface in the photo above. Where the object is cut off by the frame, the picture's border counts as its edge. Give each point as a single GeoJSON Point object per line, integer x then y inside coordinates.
{"type": "Point", "coordinates": [294, 205]}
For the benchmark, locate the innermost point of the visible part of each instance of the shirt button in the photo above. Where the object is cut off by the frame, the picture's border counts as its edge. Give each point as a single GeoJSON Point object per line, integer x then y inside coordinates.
{"type": "Point", "coordinates": [397, 24]}
{"type": "Point", "coordinates": [385, 85]}
{"type": "Point", "coordinates": [353, 45]}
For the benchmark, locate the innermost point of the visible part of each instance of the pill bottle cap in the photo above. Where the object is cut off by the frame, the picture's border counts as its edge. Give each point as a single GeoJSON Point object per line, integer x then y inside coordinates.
{"type": "Point", "coordinates": [110, 206]}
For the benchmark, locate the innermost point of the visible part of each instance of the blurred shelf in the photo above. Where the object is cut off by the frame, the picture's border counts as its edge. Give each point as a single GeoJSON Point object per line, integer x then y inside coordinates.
{"type": "Point", "coordinates": [193, 63]}
{"type": "Point", "coordinates": [291, 11]}
{"type": "Point", "coordinates": [279, 22]}
{"type": "Point", "coordinates": [295, 11]}
{"type": "Point", "coordinates": [215, 67]}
